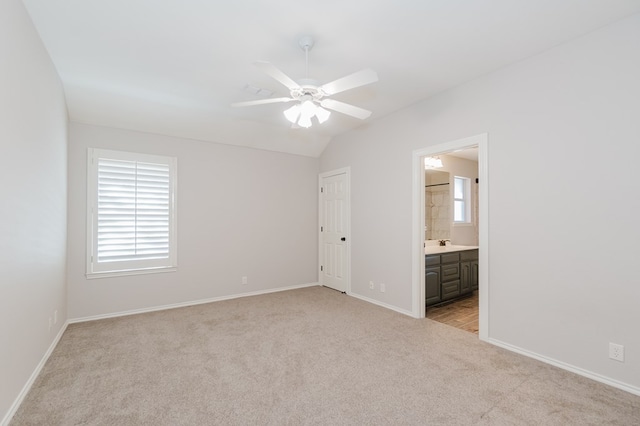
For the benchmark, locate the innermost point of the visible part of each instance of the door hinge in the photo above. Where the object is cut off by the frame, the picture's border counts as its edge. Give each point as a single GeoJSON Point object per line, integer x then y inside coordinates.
{"type": "Point", "coordinates": [322, 189]}
{"type": "Point", "coordinates": [322, 229]}
{"type": "Point", "coordinates": [321, 268]}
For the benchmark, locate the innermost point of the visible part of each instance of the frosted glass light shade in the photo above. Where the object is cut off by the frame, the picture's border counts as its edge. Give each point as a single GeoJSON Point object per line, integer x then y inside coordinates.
{"type": "Point", "coordinates": [292, 113]}
{"type": "Point", "coordinates": [308, 109]}
{"type": "Point", "coordinates": [304, 111]}
{"type": "Point", "coordinates": [322, 114]}
{"type": "Point", "coordinates": [304, 121]}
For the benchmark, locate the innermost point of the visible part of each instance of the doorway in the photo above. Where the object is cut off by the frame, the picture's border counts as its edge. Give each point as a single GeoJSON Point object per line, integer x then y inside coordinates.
{"type": "Point", "coordinates": [481, 141]}
{"type": "Point", "coordinates": [334, 237]}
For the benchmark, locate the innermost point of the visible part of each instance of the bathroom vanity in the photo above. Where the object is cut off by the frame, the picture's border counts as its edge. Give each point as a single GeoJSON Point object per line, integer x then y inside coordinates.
{"type": "Point", "coordinates": [450, 272]}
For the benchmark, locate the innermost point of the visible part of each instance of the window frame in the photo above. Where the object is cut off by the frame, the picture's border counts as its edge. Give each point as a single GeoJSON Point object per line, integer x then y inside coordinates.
{"type": "Point", "coordinates": [465, 200]}
{"type": "Point", "coordinates": [128, 267]}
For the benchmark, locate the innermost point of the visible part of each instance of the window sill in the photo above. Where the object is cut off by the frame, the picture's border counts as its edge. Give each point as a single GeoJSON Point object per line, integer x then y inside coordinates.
{"type": "Point", "coordinates": [111, 274]}
{"type": "Point", "coordinates": [462, 224]}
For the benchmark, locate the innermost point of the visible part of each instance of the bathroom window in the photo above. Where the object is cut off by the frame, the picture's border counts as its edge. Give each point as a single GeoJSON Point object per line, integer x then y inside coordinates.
{"type": "Point", "coordinates": [461, 200]}
{"type": "Point", "coordinates": [131, 213]}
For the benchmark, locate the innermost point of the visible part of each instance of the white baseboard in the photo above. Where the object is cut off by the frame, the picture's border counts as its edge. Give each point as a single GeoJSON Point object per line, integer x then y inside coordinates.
{"type": "Point", "coordinates": [384, 305]}
{"type": "Point", "coordinates": [585, 373]}
{"type": "Point", "coordinates": [25, 389]}
{"type": "Point", "coordinates": [185, 304]}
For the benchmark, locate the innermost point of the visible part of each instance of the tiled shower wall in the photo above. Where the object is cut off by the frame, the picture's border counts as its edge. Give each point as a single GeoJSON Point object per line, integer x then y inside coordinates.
{"type": "Point", "coordinates": [437, 212]}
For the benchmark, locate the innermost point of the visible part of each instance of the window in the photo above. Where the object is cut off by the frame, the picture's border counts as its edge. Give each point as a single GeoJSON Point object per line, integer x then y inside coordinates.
{"type": "Point", "coordinates": [461, 200]}
{"type": "Point", "coordinates": [131, 213]}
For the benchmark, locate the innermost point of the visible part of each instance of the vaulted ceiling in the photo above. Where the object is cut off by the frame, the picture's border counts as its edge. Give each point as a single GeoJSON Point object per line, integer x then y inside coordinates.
{"type": "Point", "coordinates": [174, 67]}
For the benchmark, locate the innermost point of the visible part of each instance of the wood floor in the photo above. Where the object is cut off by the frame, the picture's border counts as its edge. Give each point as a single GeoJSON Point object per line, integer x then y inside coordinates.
{"type": "Point", "coordinates": [462, 314]}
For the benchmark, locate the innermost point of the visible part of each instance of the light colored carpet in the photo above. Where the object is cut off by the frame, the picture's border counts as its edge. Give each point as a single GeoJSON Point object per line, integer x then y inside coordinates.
{"type": "Point", "coordinates": [303, 357]}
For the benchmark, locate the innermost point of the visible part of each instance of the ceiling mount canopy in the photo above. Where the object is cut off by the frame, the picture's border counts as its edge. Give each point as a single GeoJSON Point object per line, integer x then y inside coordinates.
{"type": "Point", "coordinates": [312, 98]}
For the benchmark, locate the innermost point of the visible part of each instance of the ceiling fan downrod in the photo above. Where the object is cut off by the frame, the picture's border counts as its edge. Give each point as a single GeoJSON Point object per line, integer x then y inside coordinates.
{"type": "Point", "coordinates": [306, 43]}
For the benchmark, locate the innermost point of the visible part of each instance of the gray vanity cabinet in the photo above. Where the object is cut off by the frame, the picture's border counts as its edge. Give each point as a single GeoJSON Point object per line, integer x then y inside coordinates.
{"type": "Point", "coordinates": [465, 277]}
{"type": "Point", "coordinates": [450, 275]}
{"type": "Point", "coordinates": [450, 270]}
{"type": "Point", "coordinates": [433, 293]}
{"type": "Point", "coordinates": [469, 271]}
{"type": "Point", "coordinates": [475, 277]}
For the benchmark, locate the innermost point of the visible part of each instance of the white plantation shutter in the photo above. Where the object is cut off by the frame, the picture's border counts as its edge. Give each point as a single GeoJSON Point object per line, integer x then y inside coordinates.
{"type": "Point", "coordinates": [132, 212]}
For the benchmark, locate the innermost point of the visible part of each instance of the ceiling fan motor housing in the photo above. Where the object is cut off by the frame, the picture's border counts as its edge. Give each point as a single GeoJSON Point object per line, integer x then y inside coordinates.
{"type": "Point", "coordinates": [308, 87]}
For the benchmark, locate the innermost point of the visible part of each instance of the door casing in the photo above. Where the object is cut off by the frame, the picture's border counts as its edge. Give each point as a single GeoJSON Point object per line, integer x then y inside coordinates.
{"type": "Point", "coordinates": [418, 293]}
{"type": "Point", "coordinates": [347, 221]}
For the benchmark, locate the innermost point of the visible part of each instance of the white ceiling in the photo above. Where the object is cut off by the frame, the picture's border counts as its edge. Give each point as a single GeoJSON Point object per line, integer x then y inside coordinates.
{"type": "Point", "coordinates": [174, 67]}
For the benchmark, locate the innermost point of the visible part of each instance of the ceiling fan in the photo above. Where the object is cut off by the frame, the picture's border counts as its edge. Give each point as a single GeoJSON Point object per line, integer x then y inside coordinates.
{"type": "Point", "coordinates": [312, 99]}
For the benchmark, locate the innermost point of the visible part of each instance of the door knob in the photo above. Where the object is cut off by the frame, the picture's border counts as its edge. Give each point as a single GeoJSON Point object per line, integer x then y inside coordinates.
{"type": "Point", "coordinates": [343, 239]}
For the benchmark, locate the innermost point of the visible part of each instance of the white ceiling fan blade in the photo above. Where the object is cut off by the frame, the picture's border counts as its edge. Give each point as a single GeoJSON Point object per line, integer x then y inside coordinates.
{"type": "Point", "coordinates": [274, 72]}
{"type": "Point", "coordinates": [261, 102]}
{"type": "Point", "coordinates": [357, 79]}
{"type": "Point", "coordinates": [347, 109]}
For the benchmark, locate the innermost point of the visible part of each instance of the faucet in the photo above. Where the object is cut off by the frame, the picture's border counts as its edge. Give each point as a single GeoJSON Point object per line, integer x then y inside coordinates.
{"type": "Point", "coordinates": [444, 242]}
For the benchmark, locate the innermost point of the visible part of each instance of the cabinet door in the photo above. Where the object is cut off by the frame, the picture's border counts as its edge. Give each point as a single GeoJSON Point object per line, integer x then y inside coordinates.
{"type": "Point", "coordinates": [450, 289]}
{"type": "Point", "coordinates": [432, 284]}
{"type": "Point", "coordinates": [474, 275]}
{"type": "Point", "coordinates": [465, 277]}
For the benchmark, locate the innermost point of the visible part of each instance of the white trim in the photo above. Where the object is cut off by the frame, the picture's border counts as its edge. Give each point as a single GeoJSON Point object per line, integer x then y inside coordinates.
{"type": "Point", "coordinates": [382, 304]}
{"type": "Point", "coordinates": [418, 293]}
{"type": "Point", "coordinates": [98, 275]}
{"type": "Point", "coordinates": [568, 367]}
{"type": "Point", "coordinates": [185, 304]}
{"type": "Point", "coordinates": [27, 386]}
{"type": "Point", "coordinates": [347, 172]}
{"type": "Point", "coordinates": [483, 237]}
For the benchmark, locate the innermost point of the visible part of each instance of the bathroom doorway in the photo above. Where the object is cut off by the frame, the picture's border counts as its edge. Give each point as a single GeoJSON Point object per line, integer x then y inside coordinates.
{"type": "Point", "coordinates": [451, 238]}
{"type": "Point", "coordinates": [468, 229]}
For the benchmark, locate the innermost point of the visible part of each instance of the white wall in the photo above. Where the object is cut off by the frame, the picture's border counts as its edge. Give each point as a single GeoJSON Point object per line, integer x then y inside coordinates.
{"type": "Point", "coordinates": [33, 148]}
{"type": "Point", "coordinates": [563, 250]}
{"type": "Point", "coordinates": [241, 212]}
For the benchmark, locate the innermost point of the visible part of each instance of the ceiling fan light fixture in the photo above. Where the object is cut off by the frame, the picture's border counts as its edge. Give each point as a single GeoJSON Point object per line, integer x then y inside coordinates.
{"type": "Point", "coordinates": [322, 114]}
{"type": "Point", "coordinates": [292, 113]}
{"type": "Point", "coordinates": [308, 109]}
{"type": "Point", "coordinates": [305, 121]}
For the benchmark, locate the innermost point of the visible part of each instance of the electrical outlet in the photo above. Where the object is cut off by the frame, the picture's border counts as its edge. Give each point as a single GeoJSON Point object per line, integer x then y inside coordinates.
{"type": "Point", "coordinates": [383, 288]}
{"type": "Point", "coordinates": [371, 285]}
{"type": "Point", "coordinates": [55, 316]}
{"type": "Point", "coordinates": [244, 280]}
{"type": "Point", "coordinates": [616, 352]}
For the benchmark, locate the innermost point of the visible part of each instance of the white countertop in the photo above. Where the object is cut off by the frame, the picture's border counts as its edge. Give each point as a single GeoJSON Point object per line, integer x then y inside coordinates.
{"type": "Point", "coordinates": [446, 249]}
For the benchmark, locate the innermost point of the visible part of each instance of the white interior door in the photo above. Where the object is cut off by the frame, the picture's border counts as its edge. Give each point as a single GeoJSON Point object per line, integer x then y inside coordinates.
{"type": "Point", "coordinates": [334, 231]}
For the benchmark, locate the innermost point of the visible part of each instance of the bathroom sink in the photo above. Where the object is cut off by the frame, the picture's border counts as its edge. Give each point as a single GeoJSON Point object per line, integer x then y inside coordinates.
{"type": "Point", "coordinates": [430, 249]}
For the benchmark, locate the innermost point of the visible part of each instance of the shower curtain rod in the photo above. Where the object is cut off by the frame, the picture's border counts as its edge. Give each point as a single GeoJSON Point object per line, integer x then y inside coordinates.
{"type": "Point", "coordinates": [436, 184]}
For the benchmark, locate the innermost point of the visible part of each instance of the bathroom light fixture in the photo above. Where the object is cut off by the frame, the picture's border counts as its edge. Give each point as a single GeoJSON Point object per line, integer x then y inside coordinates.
{"type": "Point", "coordinates": [432, 163]}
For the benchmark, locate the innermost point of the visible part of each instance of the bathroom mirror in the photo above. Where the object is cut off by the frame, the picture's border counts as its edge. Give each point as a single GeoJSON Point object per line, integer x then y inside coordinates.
{"type": "Point", "coordinates": [437, 205]}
